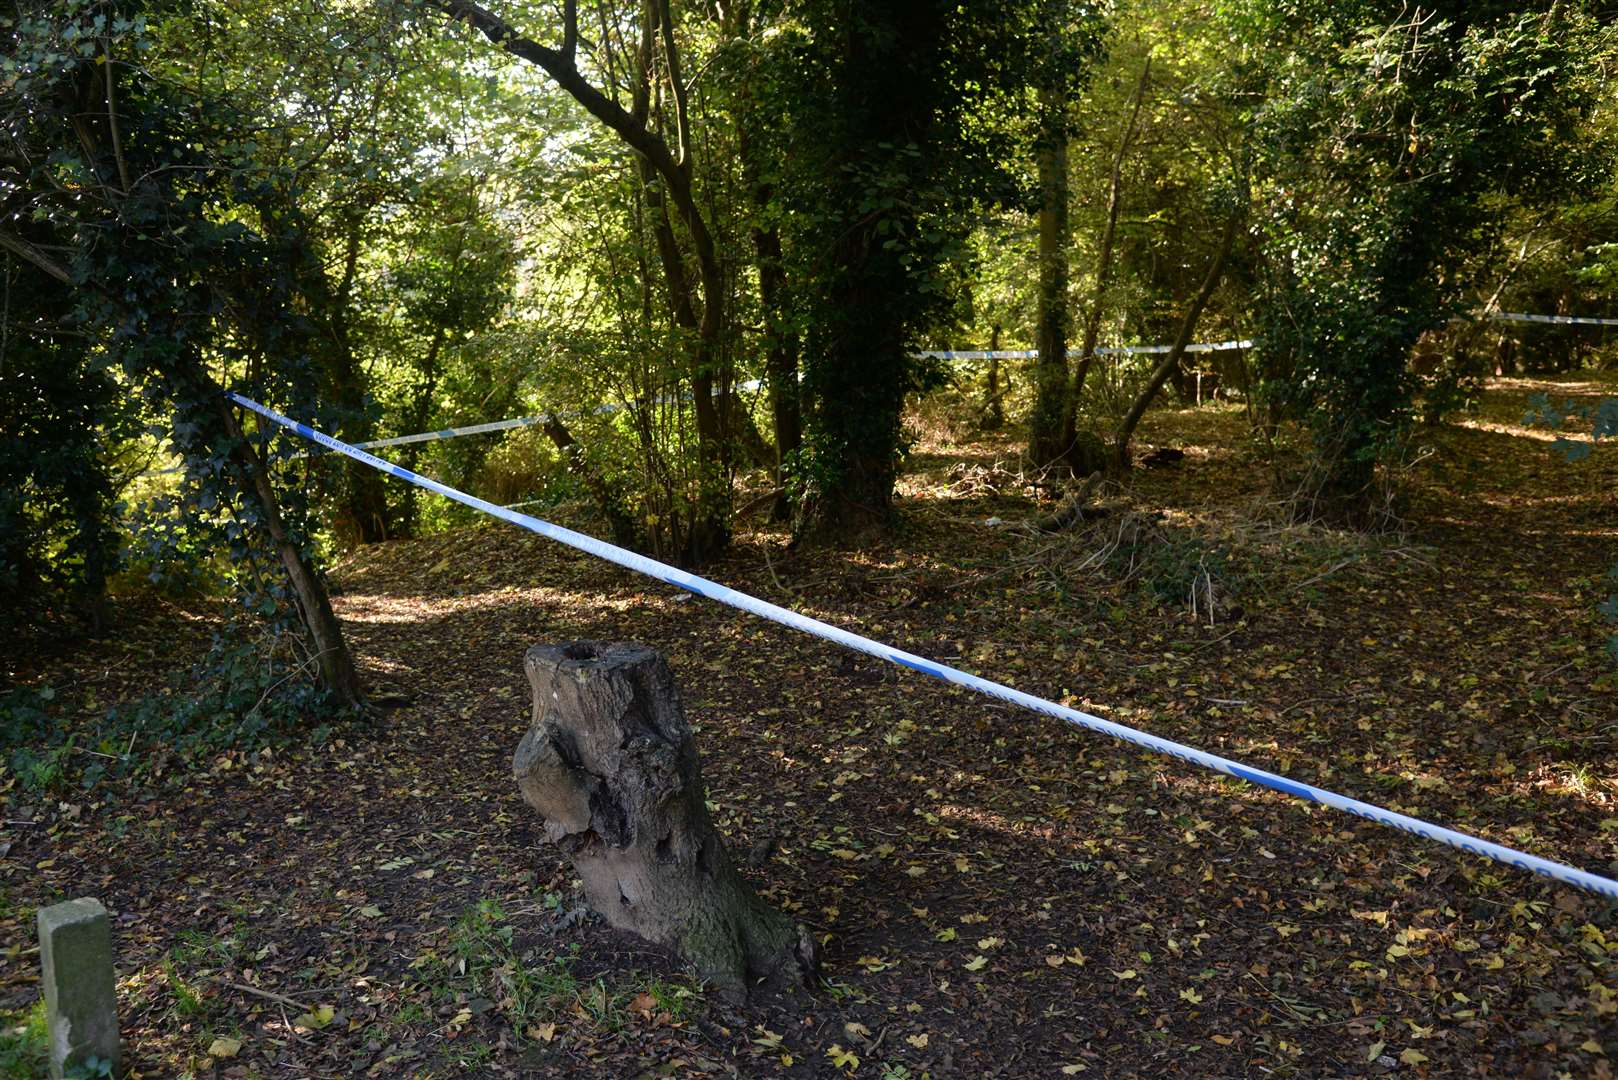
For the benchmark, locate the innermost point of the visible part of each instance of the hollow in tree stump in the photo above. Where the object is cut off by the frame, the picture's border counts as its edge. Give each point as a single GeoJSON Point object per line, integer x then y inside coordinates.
{"type": "Point", "coordinates": [610, 764]}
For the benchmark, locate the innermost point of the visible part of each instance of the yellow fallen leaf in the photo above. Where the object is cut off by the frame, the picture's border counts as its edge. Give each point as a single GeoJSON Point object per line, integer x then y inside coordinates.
{"type": "Point", "coordinates": [542, 1032]}
{"type": "Point", "coordinates": [1074, 1069]}
{"type": "Point", "coordinates": [1412, 1056]}
{"type": "Point", "coordinates": [976, 963]}
{"type": "Point", "coordinates": [1126, 974]}
{"type": "Point", "coordinates": [1191, 995]}
{"type": "Point", "coordinates": [990, 942]}
{"type": "Point", "coordinates": [318, 1017]}
{"type": "Point", "coordinates": [1224, 1040]}
{"type": "Point", "coordinates": [918, 1041]}
{"type": "Point", "coordinates": [946, 934]}
{"type": "Point", "coordinates": [843, 1059]}
{"type": "Point", "coordinates": [1054, 960]}
{"type": "Point", "coordinates": [225, 1048]}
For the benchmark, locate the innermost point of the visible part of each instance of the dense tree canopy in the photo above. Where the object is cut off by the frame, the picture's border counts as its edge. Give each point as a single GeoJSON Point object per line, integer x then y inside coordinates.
{"type": "Point", "coordinates": [708, 243]}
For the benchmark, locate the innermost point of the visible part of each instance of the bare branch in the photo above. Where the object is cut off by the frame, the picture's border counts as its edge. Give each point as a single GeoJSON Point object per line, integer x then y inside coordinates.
{"type": "Point", "coordinates": [28, 252]}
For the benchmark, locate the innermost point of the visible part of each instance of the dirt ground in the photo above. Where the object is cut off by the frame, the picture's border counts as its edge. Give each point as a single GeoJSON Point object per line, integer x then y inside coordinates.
{"type": "Point", "coordinates": [997, 894]}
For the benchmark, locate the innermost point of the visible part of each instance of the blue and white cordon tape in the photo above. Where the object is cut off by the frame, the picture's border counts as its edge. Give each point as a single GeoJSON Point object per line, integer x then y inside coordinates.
{"type": "Point", "coordinates": [1107, 350]}
{"type": "Point", "coordinates": [1560, 320]}
{"type": "Point", "coordinates": [724, 595]}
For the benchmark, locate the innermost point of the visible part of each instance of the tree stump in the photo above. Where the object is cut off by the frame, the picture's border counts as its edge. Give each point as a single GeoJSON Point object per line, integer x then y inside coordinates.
{"type": "Point", "coordinates": [609, 762]}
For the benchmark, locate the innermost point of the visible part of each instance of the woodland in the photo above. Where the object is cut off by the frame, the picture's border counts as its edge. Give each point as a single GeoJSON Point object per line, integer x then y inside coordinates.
{"type": "Point", "coordinates": [1243, 372]}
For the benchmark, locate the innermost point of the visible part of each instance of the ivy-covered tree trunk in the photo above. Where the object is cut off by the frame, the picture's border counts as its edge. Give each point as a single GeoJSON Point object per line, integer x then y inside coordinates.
{"type": "Point", "coordinates": [1046, 444]}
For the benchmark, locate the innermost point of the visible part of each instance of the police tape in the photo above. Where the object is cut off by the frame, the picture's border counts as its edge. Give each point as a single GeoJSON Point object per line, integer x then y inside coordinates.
{"type": "Point", "coordinates": [725, 595]}
{"type": "Point", "coordinates": [1560, 320]}
{"type": "Point", "coordinates": [1108, 350]}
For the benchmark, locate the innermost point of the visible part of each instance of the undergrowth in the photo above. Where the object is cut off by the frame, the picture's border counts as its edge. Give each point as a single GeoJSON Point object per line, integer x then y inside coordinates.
{"type": "Point", "coordinates": [534, 987]}
{"type": "Point", "coordinates": [243, 695]}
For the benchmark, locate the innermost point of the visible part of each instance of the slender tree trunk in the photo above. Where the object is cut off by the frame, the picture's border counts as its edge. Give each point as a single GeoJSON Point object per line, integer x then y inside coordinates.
{"type": "Point", "coordinates": [1092, 321]}
{"type": "Point", "coordinates": [673, 167]}
{"type": "Point", "coordinates": [420, 412]}
{"type": "Point", "coordinates": [1171, 362]}
{"type": "Point", "coordinates": [994, 410]}
{"type": "Point", "coordinates": [337, 671]}
{"type": "Point", "coordinates": [366, 502]}
{"type": "Point", "coordinates": [1045, 441]}
{"type": "Point", "coordinates": [781, 348]}
{"type": "Point", "coordinates": [625, 531]}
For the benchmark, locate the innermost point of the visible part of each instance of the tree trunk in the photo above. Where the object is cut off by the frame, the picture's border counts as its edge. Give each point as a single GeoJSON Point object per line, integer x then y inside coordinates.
{"type": "Point", "coordinates": [626, 532]}
{"type": "Point", "coordinates": [337, 671]}
{"type": "Point", "coordinates": [419, 413]}
{"type": "Point", "coordinates": [1092, 322]}
{"type": "Point", "coordinates": [1171, 362]}
{"type": "Point", "coordinates": [709, 532]}
{"type": "Point", "coordinates": [365, 505]}
{"type": "Point", "coordinates": [994, 413]}
{"type": "Point", "coordinates": [1045, 441]}
{"type": "Point", "coordinates": [781, 358]}
{"type": "Point", "coordinates": [610, 763]}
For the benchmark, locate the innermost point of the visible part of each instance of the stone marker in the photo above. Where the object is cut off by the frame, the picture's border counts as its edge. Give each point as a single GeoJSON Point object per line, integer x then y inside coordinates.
{"type": "Point", "coordinates": [610, 764]}
{"type": "Point", "coordinates": [81, 1003]}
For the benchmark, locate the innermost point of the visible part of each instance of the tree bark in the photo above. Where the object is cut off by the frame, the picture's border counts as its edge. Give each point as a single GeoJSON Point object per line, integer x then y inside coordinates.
{"type": "Point", "coordinates": [1092, 321]}
{"type": "Point", "coordinates": [337, 671]}
{"type": "Point", "coordinates": [1171, 362]}
{"type": "Point", "coordinates": [781, 348]}
{"type": "Point", "coordinates": [610, 763]}
{"type": "Point", "coordinates": [1045, 439]}
{"type": "Point", "coordinates": [994, 413]}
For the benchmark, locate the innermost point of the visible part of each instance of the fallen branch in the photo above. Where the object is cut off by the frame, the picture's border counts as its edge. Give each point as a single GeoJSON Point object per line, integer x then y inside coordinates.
{"type": "Point", "coordinates": [1073, 509]}
{"type": "Point", "coordinates": [280, 999]}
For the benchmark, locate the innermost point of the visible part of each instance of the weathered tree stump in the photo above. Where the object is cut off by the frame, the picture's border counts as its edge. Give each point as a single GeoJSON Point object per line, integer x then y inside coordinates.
{"type": "Point", "coordinates": [610, 764]}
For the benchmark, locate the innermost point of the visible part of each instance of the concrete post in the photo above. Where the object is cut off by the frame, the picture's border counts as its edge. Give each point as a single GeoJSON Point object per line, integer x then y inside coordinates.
{"type": "Point", "coordinates": [81, 1002]}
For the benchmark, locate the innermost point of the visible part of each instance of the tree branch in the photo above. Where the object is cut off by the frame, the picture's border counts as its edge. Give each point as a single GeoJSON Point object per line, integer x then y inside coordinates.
{"type": "Point", "coordinates": [26, 251]}
{"type": "Point", "coordinates": [560, 67]}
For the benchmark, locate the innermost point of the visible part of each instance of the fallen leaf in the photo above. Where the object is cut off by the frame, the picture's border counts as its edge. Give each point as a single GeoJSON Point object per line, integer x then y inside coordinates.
{"type": "Point", "coordinates": [918, 1041]}
{"type": "Point", "coordinates": [843, 1059]}
{"type": "Point", "coordinates": [223, 1047]}
{"type": "Point", "coordinates": [318, 1017]}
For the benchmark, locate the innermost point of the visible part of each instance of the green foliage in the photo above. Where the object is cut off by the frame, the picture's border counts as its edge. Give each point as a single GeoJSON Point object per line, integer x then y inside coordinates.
{"type": "Point", "coordinates": [243, 696]}
{"type": "Point", "coordinates": [881, 122]}
{"type": "Point", "coordinates": [24, 1043]}
{"type": "Point", "coordinates": [535, 984]}
{"type": "Point", "coordinates": [59, 414]}
{"type": "Point", "coordinates": [1388, 137]}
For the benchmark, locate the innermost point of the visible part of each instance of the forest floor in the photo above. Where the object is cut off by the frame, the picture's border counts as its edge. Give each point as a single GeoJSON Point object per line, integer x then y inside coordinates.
{"type": "Point", "coordinates": [998, 894]}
